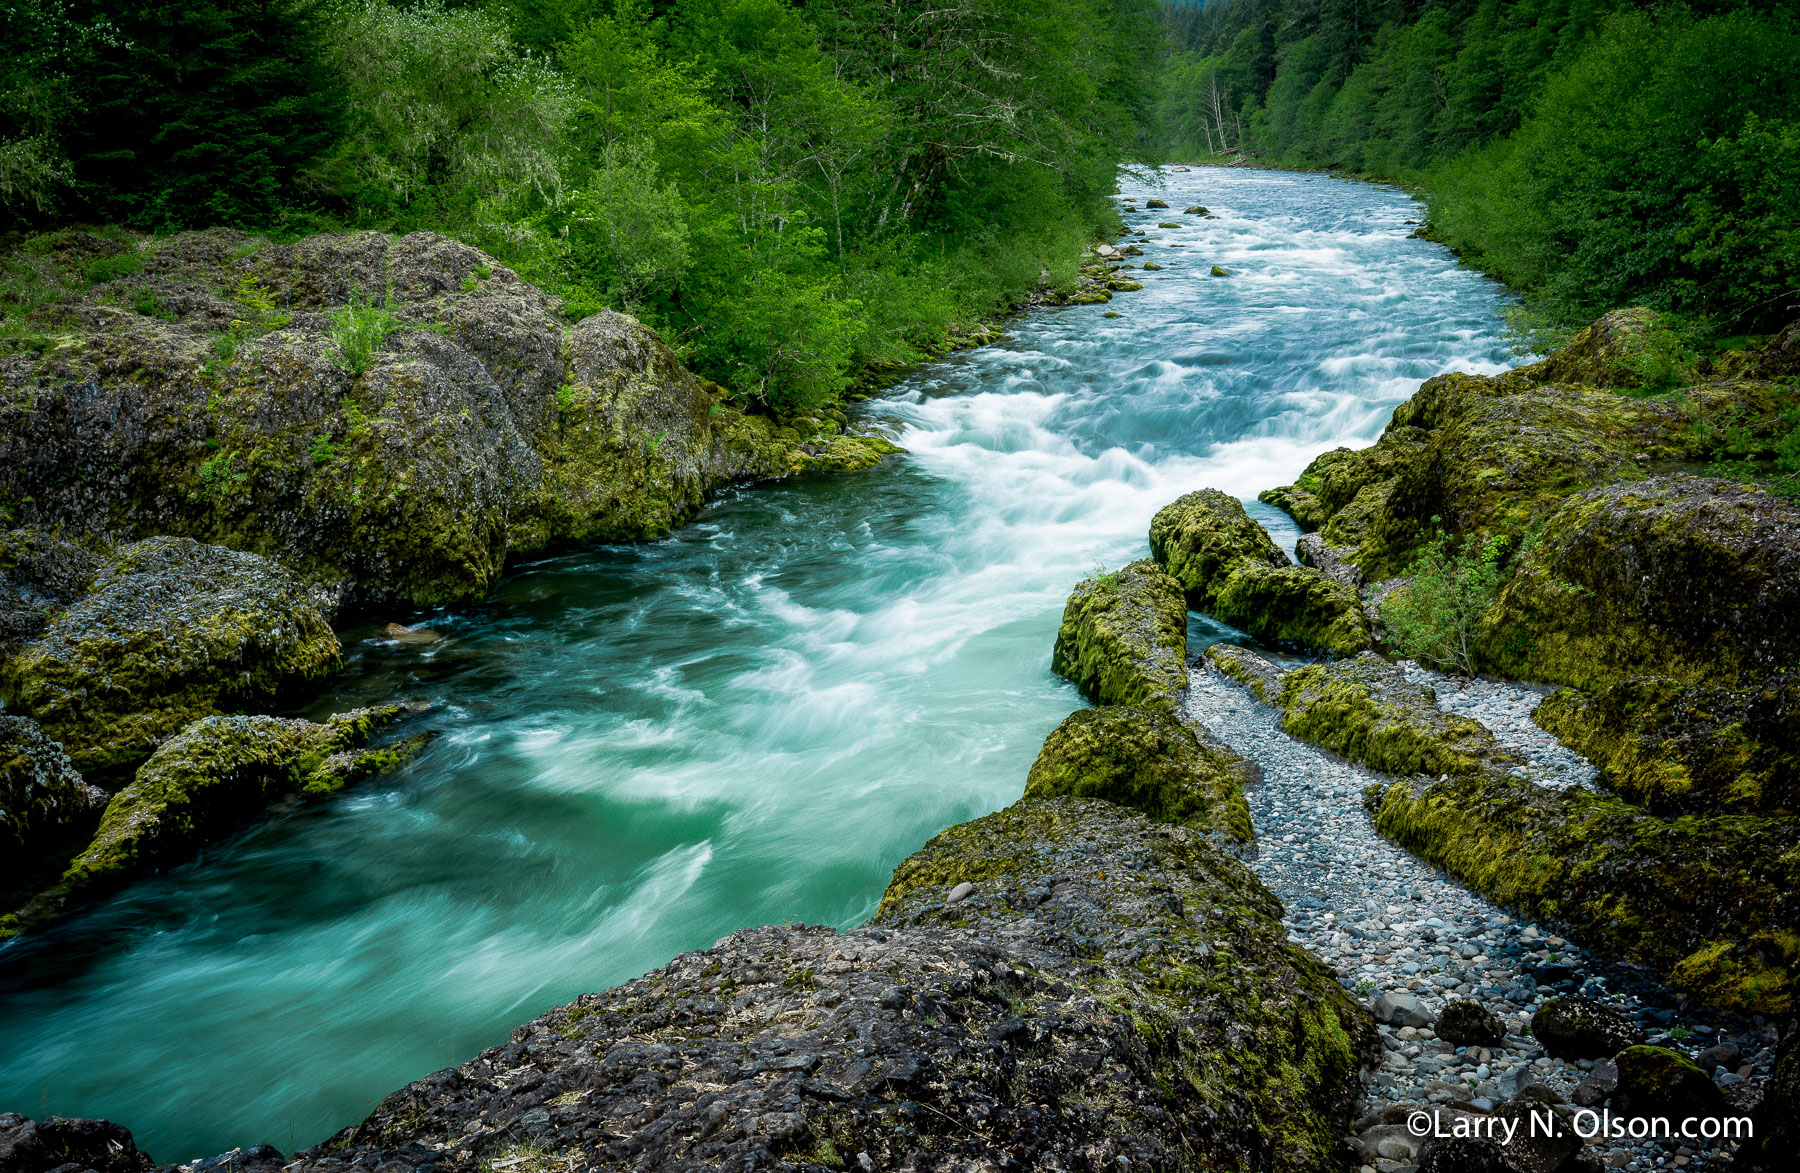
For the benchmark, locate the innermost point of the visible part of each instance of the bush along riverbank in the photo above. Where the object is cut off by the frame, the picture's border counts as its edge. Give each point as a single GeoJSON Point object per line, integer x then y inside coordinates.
{"type": "Point", "coordinates": [1619, 535]}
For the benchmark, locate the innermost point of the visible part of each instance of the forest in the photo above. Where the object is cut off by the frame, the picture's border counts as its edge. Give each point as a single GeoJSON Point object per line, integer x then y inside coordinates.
{"type": "Point", "coordinates": [792, 195]}
{"type": "Point", "coordinates": [1590, 153]}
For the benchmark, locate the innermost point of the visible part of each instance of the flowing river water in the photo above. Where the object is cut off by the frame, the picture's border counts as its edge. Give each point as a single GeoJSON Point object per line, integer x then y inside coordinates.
{"type": "Point", "coordinates": [645, 747]}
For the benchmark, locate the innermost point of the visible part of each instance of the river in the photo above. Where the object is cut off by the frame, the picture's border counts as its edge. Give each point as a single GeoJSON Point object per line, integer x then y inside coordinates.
{"type": "Point", "coordinates": [645, 747]}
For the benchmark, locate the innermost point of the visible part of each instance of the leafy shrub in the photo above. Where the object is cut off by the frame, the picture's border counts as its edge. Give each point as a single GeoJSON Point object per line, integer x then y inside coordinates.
{"type": "Point", "coordinates": [1433, 617]}
{"type": "Point", "coordinates": [358, 330]}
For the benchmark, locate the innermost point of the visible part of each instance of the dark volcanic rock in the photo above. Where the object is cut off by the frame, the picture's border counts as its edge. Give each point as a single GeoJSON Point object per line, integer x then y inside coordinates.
{"type": "Point", "coordinates": [173, 631]}
{"type": "Point", "coordinates": [41, 795]}
{"type": "Point", "coordinates": [1469, 1024]}
{"type": "Point", "coordinates": [1574, 1027]}
{"type": "Point", "coordinates": [39, 575]}
{"type": "Point", "coordinates": [1655, 1081]}
{"type": "Point", "coordinates": [1114, 993]}
{"type": "Point", "coordinates": [1777, 1118]}
{"type": "Point", "coordinates": [39, 1146]}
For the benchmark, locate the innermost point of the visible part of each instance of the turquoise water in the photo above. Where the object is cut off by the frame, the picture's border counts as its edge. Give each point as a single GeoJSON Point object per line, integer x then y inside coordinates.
{"type": "Point", "coordinates": [646, 747]}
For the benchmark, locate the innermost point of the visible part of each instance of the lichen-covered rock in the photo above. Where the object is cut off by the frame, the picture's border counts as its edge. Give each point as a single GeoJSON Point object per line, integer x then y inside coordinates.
{"type": "Point", "coordinates": [1146, 759]}
{"type": "Point", "coordinates": [1675, 747]}
{"type": "Point", "coordinates": [1115, 992]}
{"type": "Point", "coordinates": [39, 1146]}
{"type": "Point", "coordinates": [226, 407]}
{"type": "Point", "coordinates": [1655, 1081]}
{"type": "Point", "coordinates": [219, 773]}
{"type": "Point", "coordinates": [1709, 900]}
{"type": "Point", "coordinates": [172, 632]}
{"type": "Point", "coordinates": [1252, 671]}
{"type": "Point", "coordinates": [1229, 568]}
{"type": "Point", "coordinates": [1680, 576]}
{"type": "Point", "coordinates": [1575, 1027]}
{"type": "Point", "coordinates": [39, 575]}
{"type": "Point", "coordinates": [1623, 348]}
{"type": "Point", "coordinates": [41, 795]}
{"type": "Point", "coordinates": [1466, 1023]}
{"type": "Point", "coordinates": [1367, 711]}
{"type": "Point", "coordinates": [1123, 638]}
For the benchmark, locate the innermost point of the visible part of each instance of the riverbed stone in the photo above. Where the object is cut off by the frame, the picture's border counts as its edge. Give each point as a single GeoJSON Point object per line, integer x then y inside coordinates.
{"type": "Point", "coordinates": [173, 631]}
{"type": "Point", "coordinates": [1468, 1023]}
{"type": "Point", "coordinates": [1146, 759]}
{"type": "Point", "coordinates": [1574, 1027]}
{"type": "Point", "coordinates": [1123, 638]}
{"type": "Point", "coordinates": [1400, 1008]}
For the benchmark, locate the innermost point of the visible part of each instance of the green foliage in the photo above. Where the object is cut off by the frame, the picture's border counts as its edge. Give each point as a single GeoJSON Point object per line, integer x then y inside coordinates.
{"type": "Point", "coordinates": [1592, 154]}
{"type": "Point", "coordinates": [1434, 616]}
{"type": "Point", "coordinates": [358, 330]}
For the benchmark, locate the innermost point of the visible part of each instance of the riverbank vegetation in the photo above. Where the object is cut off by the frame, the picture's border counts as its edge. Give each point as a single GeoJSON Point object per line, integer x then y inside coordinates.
{"type": "Point", "coordinates": [791, 195]}
{"type": "Point", "coordinates": [1590, 153]}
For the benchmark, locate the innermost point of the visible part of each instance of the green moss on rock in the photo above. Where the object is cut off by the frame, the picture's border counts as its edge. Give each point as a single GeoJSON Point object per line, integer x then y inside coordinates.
{"type": "Point", "coordinates": [1675, 747]}
{"type": "Point", "coordinates": [1367, 711]}
{"type": "Point", "coordinates": [1146, 759]}
{"type": "Point", "coordinates": [174, 631]}
{"type": "Point", "coordinates": [1123, 638]}
{"type": "Point", "coordinates": [41, 795]}
{"type": "Point", "coordinates": [1708, 900]}
{"type": "Point", "coordinates": [1229, 568]}
{"type": "Point", "coordinates": [219, 773]}
{"type": "Point", "coordinates": [1687, 577]}
{"type": "Point", "coordinates": [1655, 1081]}
{"type": "Point", "coordinates": [1252, 671]}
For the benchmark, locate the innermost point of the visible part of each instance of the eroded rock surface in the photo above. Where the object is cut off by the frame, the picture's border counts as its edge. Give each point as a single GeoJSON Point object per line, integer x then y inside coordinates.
{"type": "Point", "coordinates": [42, 796]}
{"type": "Point", "coordinates": [173, 631]}
{"type": "Point", "coordinates": [232, 402]}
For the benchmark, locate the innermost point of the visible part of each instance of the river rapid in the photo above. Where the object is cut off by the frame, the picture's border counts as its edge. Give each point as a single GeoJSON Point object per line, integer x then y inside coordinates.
{"type": "Point", "coordinates": [645, 747]}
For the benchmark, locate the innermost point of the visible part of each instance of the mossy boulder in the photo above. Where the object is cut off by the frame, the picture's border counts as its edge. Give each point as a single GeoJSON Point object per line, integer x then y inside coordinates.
{"type": "Point", "coordinates": [39, 575]}
{"type": "Point", "coordinates": [1123, 638]}
{"type": "Point", "coordinates": [1681, 576]}
{"type": "Point", "coordinates": [1575, 1027]}
{"type": "Point", "coordinates": [1655, 1081]}
{"type": "Point", "coordinates": [1259, 675]}
{"type": "Point", "coordinates": [42, 797]}
{"type": "Point", "coordinates": [1486, 456]}
{"type": "Point", "coordinates": [1467, 1023]}
{"type": "Point", "coordinates": [1676, 747]}
{"type": "Point", "coordinates": [1366, 710]}
{"type": "Point", "coordinates": [172, 632]}
{"type": "Point", "coordinates": [1229, 568]}
{"type": "Point", "coordinates": [1146, 759]}
{"type": "Point", "coordinates": [219, 773]}
{"type": "Point", "coordinates": [1708, 900]}
{"type": "Point", "coordinates": [226, 407]}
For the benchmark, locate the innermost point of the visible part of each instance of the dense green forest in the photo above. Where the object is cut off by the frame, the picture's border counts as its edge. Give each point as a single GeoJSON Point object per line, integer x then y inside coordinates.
{"type": "Point", "coordinates": [790, 193]}
{"type": "Point", "coordinates": [1591, 153]}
